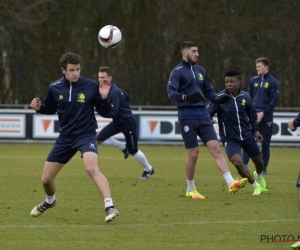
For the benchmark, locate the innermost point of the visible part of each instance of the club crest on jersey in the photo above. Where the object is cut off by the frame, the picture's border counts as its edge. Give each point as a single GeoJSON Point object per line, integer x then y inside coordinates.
{"type": "Point", "coordinates": [243, 102]}
{"type": "Point", "coordinates": [81, 97]}
{"type": "Point", "coordinates": [60, 97]}
{"type": "Point", "coordinates": [256, 84]}
{"type": "Point", "coordinates": [200, 76]}
{"type": "Point", "coordinates": [266, 85]}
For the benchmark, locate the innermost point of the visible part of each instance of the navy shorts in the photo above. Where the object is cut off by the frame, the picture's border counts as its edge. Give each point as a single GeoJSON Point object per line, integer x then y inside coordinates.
{"type": "Point", "coordinates": [190, 129]}
{"type": "Point", "coordinates": [66, 147]}
{"type": "Point", "coordinates": [249, 146]}
{"type": "Point", "coordinates": [129, 130]}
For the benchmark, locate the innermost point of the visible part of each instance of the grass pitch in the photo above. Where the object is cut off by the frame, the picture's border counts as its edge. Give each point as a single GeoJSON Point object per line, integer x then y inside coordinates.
{"type": "Point", "coordinates": [155, 214]}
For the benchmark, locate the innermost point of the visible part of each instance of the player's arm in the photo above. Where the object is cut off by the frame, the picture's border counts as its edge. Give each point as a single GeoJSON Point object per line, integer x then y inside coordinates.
{"type": "Point", "coordinates": [49, 106]}
{"type": "Point", "coordinates": [274, 97]}
{"type": "Point", "coordinates": [115, 100]}
{"type": "Point", "coordinates": [258, 136]}
{"type": "Point", "coordinates": [211, 95]}
{"type": "Point", "coordinates": [293, 124]}
{"type": "Point", "coordinates": [173, 87]}
{"type": "Point", "coordinates": [102, 100]}
{"type": "Point", "coordinates": [212, 109]}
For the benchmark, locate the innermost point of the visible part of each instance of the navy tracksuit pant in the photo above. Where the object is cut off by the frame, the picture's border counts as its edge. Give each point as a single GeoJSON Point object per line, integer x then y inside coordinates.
{"type": "Point", "coordinates": [265, 129]}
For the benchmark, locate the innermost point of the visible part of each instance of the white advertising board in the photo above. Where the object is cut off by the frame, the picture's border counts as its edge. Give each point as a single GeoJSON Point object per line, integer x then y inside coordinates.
{"type": "Point", "coordinates": [46, 126]}
{"type": "Point", "coordinates": [12, 126]}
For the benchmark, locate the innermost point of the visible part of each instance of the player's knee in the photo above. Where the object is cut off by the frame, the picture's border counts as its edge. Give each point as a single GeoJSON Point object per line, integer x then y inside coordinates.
{"type": "Point", "coordinates": [193, 155]}
{"type": "Point", "coordinates": [92, 170]}
{"type": "Point", "coordinates": [46, 180]}
{"type": "Point", "coordinates": [237, 163]}
{"type": "Point", "coordinates": [132, 151]}
{"type": "Point", "coordinates": [214, 148]}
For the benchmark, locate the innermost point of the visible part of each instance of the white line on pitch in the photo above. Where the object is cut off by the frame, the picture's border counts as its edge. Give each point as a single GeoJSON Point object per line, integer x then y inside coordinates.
{"type": "Point", "coordinates": [152, 224]}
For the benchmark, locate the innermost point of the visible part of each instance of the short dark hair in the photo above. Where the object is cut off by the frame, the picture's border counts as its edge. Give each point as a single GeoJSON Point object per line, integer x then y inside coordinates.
{"type": "Point", "coordinates": [70, 58]}
{"type": "Point", "coordinates": [233, 72]}
{"type": "Point", "coordinates": [187, 45]}
{"type": "Point", "coordinates": [106, 69]}
{"type": "Point", "coordinates": [265, 61]}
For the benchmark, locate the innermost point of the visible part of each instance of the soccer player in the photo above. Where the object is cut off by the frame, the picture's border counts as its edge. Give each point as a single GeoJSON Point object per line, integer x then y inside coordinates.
{"type": "Point", "coordinates": [188, 85]}
{"type": "Point", "coordinates": [122, 121]}
{"type": "Point", "coordinates": [264, 91]}
{"type": "Point", "coordinates": [237, 129]}
{"type": "Point", "coordinates": [73, 98]}
{"type": "Point", "coordinates": [292, 125]}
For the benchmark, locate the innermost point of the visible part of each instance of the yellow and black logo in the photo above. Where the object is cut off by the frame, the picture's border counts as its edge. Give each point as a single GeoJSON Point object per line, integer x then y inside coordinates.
{"type": "Point", "coordinates": [81, 97]}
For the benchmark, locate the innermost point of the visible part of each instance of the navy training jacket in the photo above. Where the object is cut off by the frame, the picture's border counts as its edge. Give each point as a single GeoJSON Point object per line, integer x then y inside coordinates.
{"type": "Point", "coordinates": [237, 118]}
{"type": "Point", "coordinates": [74, 103]}
{"type": "Point", "coordinates": [264, 91]}
{"type": "Point", "coordinates": [120, 109]}
{"type": "Point", "coordinates": [187, 78]}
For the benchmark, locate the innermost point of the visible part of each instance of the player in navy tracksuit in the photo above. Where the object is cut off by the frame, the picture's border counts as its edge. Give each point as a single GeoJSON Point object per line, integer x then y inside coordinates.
{"type": "Point", "coordinates": [123, 121]}
{"type": "Point", "coordinates": [188, 87]}
{"type": "Point", "coordinates": [293, 124]}
{"type": "Point", "coordinates": [73, 98]}
{"type": "Point", "coordinates": [237, 128]}
{"type": "Point", "coordinates": [264, 91]}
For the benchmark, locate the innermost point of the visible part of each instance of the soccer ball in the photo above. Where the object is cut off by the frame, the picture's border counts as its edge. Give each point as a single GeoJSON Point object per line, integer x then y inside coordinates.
{"type": "Point", "coordinates": [109, 36]}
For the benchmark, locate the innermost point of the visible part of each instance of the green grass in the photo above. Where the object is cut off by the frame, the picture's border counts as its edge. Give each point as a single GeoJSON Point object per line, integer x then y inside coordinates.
{"type": "Point", "coordinates": [155, 214]}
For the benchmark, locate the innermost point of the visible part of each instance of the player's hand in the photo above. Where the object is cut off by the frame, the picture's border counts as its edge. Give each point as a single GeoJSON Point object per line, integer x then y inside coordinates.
{"type": "Point", "coordinates": [222, 99]}
{"type": "Point", "coordinates": [291, 125]}
{"type": "Point", "coordinates": [260, 115]}
{"type": "Point", "coordinates": [258, 136]}
{"type": "Point", "coordinates": [104, 88]}
{"type": "Point", "coordinates": [36, 104]}
{"type": "Point", "coordinates": [214, 121]}
{"type": "Point", "coordinates": [192, 98]}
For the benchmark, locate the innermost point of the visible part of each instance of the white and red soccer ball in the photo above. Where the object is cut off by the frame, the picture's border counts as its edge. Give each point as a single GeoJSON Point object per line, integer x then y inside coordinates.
{"type": "Point", "coordinates": [109, 36]}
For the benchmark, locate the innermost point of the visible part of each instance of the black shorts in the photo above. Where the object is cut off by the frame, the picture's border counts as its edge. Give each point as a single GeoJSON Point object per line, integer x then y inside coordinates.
{"type": "Point", "coordinates": [203, 128]}
{"type": "Point", "coordinates": [129, 130]}
{"type": "Point", "coordinates": [66, 147]}
{"type": "Point", "coordinates": [234, 147]}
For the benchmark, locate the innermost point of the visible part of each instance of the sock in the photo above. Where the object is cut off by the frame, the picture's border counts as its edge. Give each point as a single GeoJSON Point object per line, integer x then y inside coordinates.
{"type": "Point", "coordinates": [190, 185]}
{"type": "Point", "coordinates": [255, 184]}
{"type": "Point", "coordinates": [141, 158]}
{"type": "Point", "coordinates": [259, 176]}
{"type": "Point", "coordinates": [228, 178]}
{"type": "Point", "coordinates": [50, 199]}
{"type": "Point", "coordinates": [108, 202]}
{"type": "Point", "coordinates": [114, 142]}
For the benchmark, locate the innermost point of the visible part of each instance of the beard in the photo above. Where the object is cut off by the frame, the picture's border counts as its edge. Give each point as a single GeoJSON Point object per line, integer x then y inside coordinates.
{"type": "Point", "coordinates": [191, 60]}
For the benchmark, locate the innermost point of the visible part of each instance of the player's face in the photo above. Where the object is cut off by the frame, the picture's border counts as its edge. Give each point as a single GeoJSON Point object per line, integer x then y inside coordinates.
{"type": "Point", "coordinates": [72, 72]}
{"type": "Point", "coordinates": [261, 69]}
{"type": "Point", "coordinates": [104, 78]}
{"type": "Point", "coordinates": [191, 55]}
{"type": "Point", "coordinates": [232, 84]}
